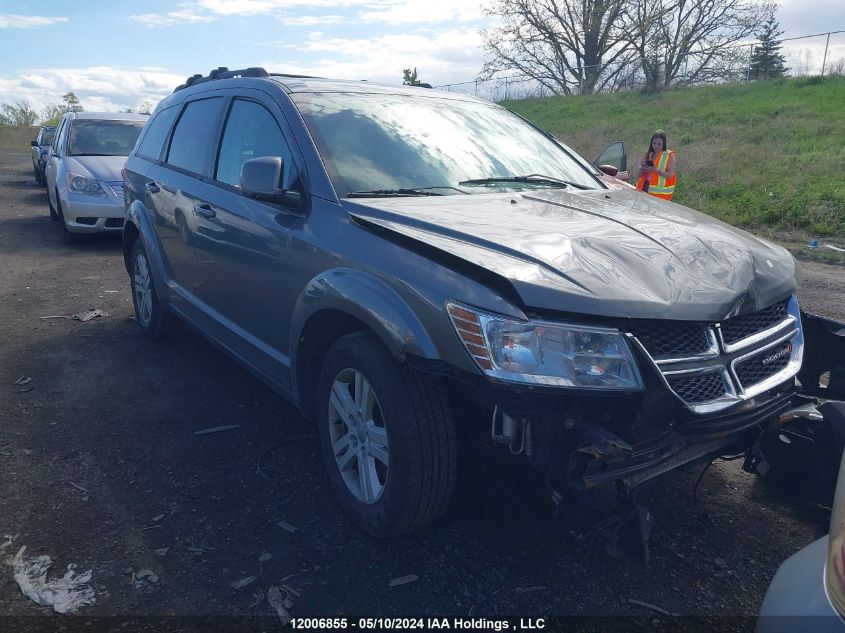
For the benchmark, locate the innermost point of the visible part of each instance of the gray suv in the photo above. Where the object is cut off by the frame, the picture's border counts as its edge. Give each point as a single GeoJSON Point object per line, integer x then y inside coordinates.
{"type": "Point", "coordinates": [395, 260]}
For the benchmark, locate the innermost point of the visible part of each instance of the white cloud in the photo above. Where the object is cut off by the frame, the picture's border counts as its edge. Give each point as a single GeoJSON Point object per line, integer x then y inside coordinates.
{"type": "Point", "coordinates": [311, 20]}
{"type": "Point", "coordinates": [96, 87]}
{"type": "Point", "coordinates": [445, 57]}
{"type": "Point", "coordinates": [422, 11]}
{"type": "Point", "coordinates": [14, 21]}
{"type": "Point", "coordinates": [187, 14]}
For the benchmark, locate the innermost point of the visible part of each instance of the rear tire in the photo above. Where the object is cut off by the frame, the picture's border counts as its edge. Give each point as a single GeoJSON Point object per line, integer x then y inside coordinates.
{"type": "Point", "coordinates": [378, 415]}
{"type": "Point", "coordinates": [155, 321]}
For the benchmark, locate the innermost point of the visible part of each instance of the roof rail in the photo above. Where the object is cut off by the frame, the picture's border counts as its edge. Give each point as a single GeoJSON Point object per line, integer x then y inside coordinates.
{"type": "Point", "coordinates": [223, 73]}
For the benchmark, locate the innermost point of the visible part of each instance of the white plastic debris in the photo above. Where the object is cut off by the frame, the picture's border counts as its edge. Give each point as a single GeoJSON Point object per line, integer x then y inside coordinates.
{"type": "Point", "coordinates": [278, 601]}
{"type": "Point", "coordinates": [88, 315]}
{"type": "Point", "coordinates": [218, 429]}
{"type": "Point", "coordinates": [265, 557]}
{"type": "Point", "coordinates": [66, 595]}
{"type": "Point", "coordinates": [243, 582]}
{"type": "Point", "coordinates": [287, 527]}
{"type": "Point", "coordinates": [403, 580]}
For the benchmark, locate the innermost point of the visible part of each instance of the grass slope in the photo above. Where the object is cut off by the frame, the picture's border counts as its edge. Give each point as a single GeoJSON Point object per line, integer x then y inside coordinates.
{"type": "Point", "coordinates": [766, 156]}
{"type": "Point", "coordinates": [15, 138]}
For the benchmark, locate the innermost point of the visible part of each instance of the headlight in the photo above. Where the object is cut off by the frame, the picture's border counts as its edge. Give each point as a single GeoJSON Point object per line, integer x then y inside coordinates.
{"type": "Point", "coordinates": [835, 569]}
{"type": "Point", "coordinates": [552, 354]}
{"type": "Point", "coordinates": [83, 184]}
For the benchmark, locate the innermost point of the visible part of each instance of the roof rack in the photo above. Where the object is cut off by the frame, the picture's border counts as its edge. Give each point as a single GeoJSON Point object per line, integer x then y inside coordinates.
{"type": "Point", "coordinates": [223, 73]}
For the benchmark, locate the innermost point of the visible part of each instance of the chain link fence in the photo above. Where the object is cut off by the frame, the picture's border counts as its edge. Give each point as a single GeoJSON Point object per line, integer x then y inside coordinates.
{"type": "Point", "coordinates": [818, 54]}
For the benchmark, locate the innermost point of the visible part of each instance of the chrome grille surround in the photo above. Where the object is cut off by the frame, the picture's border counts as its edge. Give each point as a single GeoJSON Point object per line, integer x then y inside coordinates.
{"type": "Point", "coordinates": [783, 338]}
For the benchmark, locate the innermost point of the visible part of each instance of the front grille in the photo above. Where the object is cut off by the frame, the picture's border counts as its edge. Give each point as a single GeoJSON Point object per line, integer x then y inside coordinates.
{"type": "Point", "coordinates": [674, 338]}
{"type": "Point", "coordinates": [700, 364]}
{"type": "Point", "coordinates": [764, 365]}
{"type": "Point", "coordinates": [699, 388]}
{"type": "Point", "coordinates": [740, 327]}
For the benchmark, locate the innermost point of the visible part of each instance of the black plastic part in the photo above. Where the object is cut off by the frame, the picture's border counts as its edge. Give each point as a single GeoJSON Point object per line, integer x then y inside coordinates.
{"type": "Point", "coordinates": [223, 73]}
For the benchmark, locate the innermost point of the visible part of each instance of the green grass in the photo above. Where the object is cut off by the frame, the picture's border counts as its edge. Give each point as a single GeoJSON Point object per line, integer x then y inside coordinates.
{"type": "Point", "coordinates": [766, 156]}
{"type": "Point", "coordinates": [17, 138]}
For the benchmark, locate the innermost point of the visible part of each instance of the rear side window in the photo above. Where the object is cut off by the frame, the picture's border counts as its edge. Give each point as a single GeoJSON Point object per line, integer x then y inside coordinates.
{"type": "Point", "coordinates": [57, 140]}
{"type": "Point", "coordinates": [47, 137]}
{"type": "Point", "coordinates": [153, 141]}
{"type": "Point", "coordinates": [251, 132]}
{"type": "Point", "coordinates": [191, 142]}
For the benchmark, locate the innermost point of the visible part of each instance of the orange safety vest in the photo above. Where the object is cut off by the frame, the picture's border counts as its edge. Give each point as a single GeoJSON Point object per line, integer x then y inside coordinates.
{"type": "Point", "coordinates": [659, 186]}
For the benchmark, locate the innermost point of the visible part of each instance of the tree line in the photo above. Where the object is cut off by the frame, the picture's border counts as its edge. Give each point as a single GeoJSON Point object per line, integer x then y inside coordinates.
{"type": "Point", "coordinates": [22, 113]}
{"type": "Point", "coordinates": [586, 46]}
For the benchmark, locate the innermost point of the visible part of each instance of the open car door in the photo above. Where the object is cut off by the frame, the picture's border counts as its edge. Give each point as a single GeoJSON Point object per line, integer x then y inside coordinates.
{"type": "Point", "coordinates": [613, 161]}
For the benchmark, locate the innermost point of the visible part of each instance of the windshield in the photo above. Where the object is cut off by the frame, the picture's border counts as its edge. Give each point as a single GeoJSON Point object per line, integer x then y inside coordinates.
{"type": "Point", "coordinates": [103, 138]}
{"type": "Point", "coordinates": [382, 143]}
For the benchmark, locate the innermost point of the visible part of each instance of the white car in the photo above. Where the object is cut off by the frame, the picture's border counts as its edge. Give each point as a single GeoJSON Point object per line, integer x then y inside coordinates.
{"type": "Point", "coordinates": [84, 183]}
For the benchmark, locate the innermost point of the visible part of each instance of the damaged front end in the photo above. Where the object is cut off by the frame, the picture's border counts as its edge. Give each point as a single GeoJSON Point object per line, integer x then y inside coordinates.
{"type": "Point", "coordinates": [708, 388]}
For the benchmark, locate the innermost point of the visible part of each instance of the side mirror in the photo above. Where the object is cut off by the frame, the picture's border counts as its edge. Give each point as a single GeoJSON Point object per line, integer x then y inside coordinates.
{"type": "Point", "coordinates": [260, 178]}
{"type": "Point", "coordinates": [610, 170]}
{"type": "Point", "coordinates": [34, 143]}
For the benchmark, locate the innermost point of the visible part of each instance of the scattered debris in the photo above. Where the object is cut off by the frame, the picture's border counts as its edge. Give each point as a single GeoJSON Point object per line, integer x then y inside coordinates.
{"type": "Point", "coordinates": [78, 487]}
{"type": "Point", "coordinates": [720, 564]}
{"type": "Point", "coordinates": [65, 595]}
{"type": "Point", "coordinates": [648, 605]}
{"type": "Point", "coordinates": [79, 316]}
{"type": "Point", "coordinates": [403, 580]}
{"type": "Point", "coordinates": [162, 551]}
{"type": "Point", "coordinates": [834, 248]}
{"type": "Point", "coordinates": [150, 527]}
{"type": "Point", "coordinates": [287, 589]}
{"type": "Point", "coordinates": [8, 542]}
{"type": "Point", "coordinates": [287, 527]}
{"type": "Point", "coordinates": [813, 244]}
{"type": "Point", "coordinates": [218, 429]}
{"type": "Point", "coordinates": [158, 518]}
{"type": "Point", "coordinates": [26, 389]}
{"type": "Point", "coordinates": [114, 291]}
{"type": "Point", "coordinates": [257, 598]}
{"type": "Point", "coordinates": [530, 589]}
{"type": "Point", "coordinates": [277, 601]}
{"type": "Point", "coordinates": [243, 582]}
{"type": "Point", "coordinates": [23, 380]}
{"type": "Point", "coordinates": [88, 315]}
{"type": "Point", "coordinates": [265, 557]}
{"type": "Point", "coordinates": [147, 574]}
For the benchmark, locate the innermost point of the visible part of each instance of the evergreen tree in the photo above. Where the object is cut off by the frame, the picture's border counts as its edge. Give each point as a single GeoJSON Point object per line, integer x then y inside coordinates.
{"type": "Point", "coordinates": [766, 60]}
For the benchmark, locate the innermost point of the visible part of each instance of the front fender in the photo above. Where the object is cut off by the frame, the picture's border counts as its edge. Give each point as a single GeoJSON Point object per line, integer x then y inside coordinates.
{"type": "Point", "coordinates": [138, 217]}
{"type": "Point", "coordinates": [370, 300]}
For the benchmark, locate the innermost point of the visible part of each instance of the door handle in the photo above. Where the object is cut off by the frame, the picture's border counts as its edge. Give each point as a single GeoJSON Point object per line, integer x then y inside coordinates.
{"type": "Point", "coordinates": [152, 187]}
{"type": "Point", "coordinates": [204, 210]}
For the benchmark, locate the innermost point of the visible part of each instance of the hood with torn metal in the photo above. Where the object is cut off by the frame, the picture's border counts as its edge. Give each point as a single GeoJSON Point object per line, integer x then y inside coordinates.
{"type": "Point", "coordinates": [615, 253]}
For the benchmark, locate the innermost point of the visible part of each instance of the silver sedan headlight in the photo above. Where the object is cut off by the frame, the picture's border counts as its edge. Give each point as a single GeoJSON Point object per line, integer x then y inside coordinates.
{"type": "Point", "coordinates": [551, 354]}
{"type": "Point", "coordinates": [77, 183]}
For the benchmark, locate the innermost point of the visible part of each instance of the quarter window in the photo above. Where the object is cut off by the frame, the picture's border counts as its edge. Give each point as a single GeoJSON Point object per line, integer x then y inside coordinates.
{"type": "Point", "coordinates": [251, 132]}
{"type": "Point", "coordinates": [153, 141]}
{"type": "Point", "coordinates": [191, 142]}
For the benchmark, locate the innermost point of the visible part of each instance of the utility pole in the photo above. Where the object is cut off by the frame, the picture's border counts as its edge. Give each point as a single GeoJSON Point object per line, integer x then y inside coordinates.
{"type": "Point", "coordinates": [824, 59]}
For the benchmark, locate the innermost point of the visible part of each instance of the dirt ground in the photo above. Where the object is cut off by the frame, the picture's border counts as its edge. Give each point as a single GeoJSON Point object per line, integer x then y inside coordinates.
{"type": "Point", "coordinates": [100, 466]}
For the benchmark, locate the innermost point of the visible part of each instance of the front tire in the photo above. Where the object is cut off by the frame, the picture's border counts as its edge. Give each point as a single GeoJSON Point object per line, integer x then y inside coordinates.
{"type": "Point", "coordinates": [155, 321]}
{"type": "Point", "coordinates": [67, 236]}
{"type": "Point", "coordinates": [388, 437]}
{"type": "Point", "coordinates": [53, 214]}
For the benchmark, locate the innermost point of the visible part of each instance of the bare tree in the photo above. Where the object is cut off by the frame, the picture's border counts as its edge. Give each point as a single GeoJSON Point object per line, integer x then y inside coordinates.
{"type": "Point", "coordinates": [561, 44]}
{"type": "Point", "coordinates": [691, 41]}
{"type": "Point", "coordinates": [19, 113]}
{"type": "Point", "coordinates": [146, 107]}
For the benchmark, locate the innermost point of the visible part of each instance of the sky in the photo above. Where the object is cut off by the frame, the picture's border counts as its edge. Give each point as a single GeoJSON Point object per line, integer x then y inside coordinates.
{"type": "Point", "coordinates": [115, 55]}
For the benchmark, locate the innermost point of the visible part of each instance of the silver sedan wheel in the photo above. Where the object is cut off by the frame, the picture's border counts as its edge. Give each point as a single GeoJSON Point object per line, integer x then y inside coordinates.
{"type": "Point", "coordinates": [143, 289]}
{"type": "Point", "coordinates": [358, 436]}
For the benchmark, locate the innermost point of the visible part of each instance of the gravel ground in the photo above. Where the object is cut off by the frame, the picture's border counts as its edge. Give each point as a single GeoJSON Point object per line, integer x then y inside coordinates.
{"type": "Point", "coordinates": [100, 466]}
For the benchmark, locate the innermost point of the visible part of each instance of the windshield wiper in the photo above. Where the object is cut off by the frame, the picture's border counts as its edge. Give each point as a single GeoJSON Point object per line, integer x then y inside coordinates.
{"type": "Point", "coordinates": [395, 192]}
{"type": "Point", "coordinates": [533, 179]}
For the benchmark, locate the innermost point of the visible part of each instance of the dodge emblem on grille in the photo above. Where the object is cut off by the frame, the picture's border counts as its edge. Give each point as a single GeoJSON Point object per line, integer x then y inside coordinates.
{"type": "Point", "coordinates": [779, 354]}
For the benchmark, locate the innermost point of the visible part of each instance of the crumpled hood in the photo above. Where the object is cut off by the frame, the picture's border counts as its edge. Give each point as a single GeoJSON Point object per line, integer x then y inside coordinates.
{"type": "Point", "coordinates": [104, 168]}
{"type": "Point", "coordinates": [616, 253]}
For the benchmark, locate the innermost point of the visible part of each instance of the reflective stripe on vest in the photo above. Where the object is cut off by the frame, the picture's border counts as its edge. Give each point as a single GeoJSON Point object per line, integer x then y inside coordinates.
{"type": "Point", "coordinates": [659, 186]}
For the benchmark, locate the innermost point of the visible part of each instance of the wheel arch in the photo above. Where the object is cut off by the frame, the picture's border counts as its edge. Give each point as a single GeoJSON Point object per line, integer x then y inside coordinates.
{"type": "Point", "coordinates": [138, 226]}
{"type": "Point", "coordinates": [337, 303]}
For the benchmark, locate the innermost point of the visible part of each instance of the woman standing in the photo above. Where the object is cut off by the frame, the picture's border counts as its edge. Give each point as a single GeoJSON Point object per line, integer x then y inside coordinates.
{"type": "Point", "coordinates": [657, 169]}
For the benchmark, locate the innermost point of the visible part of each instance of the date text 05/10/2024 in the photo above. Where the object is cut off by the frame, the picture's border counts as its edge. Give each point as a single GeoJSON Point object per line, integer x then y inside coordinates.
{"type": "Point", "coordinates": [419, 624]}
